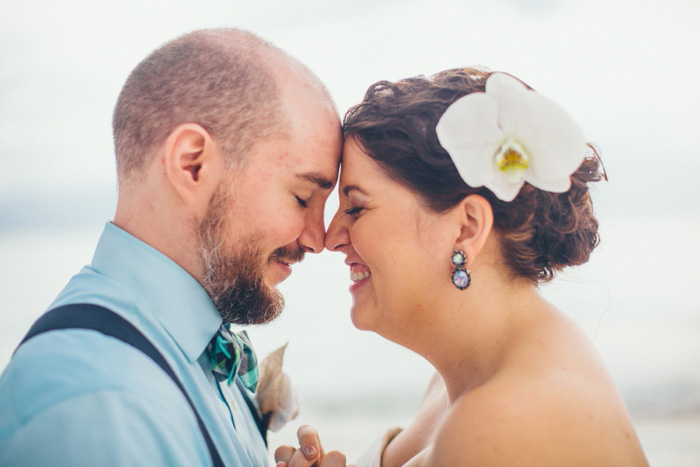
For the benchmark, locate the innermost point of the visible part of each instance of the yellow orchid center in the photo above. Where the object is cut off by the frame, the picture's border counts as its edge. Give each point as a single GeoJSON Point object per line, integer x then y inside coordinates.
{"type": "Point", "coordinates": [512, 160]}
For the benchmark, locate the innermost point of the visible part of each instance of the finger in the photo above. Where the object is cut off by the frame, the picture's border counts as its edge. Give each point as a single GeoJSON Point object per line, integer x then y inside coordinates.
{"type": "Point", "coordinates": [333, 459]}
{"type": "Point", "coordinates": [300, 460]}
{"type": "Point", "coordinates": [309, 442]}
{"type": "Point", "coordinates": [284, 454]}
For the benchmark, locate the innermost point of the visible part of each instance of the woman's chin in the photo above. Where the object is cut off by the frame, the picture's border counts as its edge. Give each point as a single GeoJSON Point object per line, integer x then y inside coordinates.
{"type": "Point", "coordinates": [360, 318]}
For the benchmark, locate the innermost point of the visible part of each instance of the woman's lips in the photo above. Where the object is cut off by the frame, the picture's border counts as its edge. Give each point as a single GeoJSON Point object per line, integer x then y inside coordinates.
{"type": "Point", "coordinates": [359, 274]}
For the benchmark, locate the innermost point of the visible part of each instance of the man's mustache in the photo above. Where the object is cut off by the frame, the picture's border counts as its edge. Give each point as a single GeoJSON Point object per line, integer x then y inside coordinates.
{"type": "Point", "coordinates": [287, 254]}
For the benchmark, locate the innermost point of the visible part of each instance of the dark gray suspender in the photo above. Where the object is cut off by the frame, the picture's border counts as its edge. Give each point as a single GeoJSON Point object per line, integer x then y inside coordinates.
{"type": "Point", "coordinates": [97, 318]}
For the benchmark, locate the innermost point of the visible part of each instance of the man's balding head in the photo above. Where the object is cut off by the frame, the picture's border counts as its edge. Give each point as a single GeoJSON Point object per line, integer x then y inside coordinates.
{"type": "Point", "coordinates": [226, 80]}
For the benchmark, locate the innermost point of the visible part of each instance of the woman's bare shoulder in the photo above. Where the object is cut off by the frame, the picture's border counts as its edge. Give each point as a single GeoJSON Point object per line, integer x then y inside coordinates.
{"type": "Point", "coordinates": [526, 421]}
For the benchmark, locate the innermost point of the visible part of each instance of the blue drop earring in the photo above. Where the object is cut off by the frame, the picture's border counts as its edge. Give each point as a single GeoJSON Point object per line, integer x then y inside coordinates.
{"type": "Point", "coordinates": [460, 276]}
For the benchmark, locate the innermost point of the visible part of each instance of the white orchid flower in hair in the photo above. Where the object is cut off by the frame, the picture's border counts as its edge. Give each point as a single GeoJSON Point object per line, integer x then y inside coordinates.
{"type": "Point", "coordinates": [510, 135]}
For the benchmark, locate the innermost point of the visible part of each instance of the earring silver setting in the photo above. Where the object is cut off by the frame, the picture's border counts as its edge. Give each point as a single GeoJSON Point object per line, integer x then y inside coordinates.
{"type": "Point", "coordinates": [460, 276]}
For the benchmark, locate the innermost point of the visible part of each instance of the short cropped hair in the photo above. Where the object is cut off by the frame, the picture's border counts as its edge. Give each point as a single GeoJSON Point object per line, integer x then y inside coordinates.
{"type": "Point", "coordinates": [218, 78]}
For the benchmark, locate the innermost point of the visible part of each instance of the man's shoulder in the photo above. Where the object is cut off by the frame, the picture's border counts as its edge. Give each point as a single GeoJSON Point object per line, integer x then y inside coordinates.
{"type": "Point", "coordinates": [85, 397]}
{"type": "Point", "coordinates": [90, 286]}
{"type": "Point", "coordinates": [60, 365]}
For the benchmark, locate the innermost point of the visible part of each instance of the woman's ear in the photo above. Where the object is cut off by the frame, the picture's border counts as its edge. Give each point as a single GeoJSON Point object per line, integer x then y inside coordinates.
{"type": "Point", "coordinates": [193, 162]}
{"type": "Point", "coordinates": [476, 223]}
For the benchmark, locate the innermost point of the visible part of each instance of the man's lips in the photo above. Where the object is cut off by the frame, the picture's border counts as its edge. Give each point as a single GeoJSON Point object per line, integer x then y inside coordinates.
{"type": "Point", "coordinates": [283, 259]}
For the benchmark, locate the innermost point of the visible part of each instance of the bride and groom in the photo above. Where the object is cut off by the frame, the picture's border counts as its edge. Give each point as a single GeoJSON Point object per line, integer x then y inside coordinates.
{"type": "Point", "coordinates": [459, 194]}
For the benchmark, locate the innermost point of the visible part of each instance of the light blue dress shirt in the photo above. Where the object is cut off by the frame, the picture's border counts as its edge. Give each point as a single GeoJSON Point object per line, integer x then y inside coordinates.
{"type": "Point", "coordinates": [78, 397]}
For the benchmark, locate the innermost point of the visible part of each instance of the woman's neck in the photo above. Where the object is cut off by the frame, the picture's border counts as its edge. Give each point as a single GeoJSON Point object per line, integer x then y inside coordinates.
{"type": "Point", "coordinates": [473, 330]}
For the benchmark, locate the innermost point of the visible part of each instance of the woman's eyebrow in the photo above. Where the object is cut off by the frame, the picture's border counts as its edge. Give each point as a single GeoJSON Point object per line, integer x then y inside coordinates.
{"type": "Point", "coordinates": [348, 188]}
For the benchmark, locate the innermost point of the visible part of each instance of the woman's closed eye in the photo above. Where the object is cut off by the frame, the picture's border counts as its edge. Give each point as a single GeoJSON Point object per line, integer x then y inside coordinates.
{"type": "Point", "coordinates": [354, 211]}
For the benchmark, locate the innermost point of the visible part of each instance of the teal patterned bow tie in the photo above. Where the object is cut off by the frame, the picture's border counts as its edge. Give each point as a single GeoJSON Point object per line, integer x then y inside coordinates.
{"type": "Point", "coordinates": [231, 354]}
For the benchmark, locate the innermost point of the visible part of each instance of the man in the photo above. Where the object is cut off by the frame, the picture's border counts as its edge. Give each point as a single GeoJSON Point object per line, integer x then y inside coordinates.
{"type": "Point", "coordinates": [227, 149]}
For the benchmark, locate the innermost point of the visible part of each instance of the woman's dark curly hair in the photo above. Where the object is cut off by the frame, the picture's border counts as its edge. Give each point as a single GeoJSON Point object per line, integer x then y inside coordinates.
{"type": "Point", "coordinates": [542, 232]}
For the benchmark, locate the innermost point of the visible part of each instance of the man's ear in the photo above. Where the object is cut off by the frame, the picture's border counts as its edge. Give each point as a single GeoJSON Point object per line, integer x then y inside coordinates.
{"type": "Point", "coordinates": [476, 222]}
{"type": "Point", "coordinates": [193, 162]}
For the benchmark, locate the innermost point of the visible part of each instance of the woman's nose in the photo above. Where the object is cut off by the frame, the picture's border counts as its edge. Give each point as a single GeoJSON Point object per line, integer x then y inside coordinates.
{"type": "Point", "coordinates": [337, 235]}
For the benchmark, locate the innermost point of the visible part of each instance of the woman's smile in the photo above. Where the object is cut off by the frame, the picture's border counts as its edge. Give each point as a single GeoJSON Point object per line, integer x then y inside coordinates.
{"type": "Point", "coordinates": [359, 275]}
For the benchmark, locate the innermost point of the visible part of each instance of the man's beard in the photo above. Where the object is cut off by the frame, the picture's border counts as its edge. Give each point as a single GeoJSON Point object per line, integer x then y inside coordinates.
{"type": "Point", "coordinates": [235, 279]}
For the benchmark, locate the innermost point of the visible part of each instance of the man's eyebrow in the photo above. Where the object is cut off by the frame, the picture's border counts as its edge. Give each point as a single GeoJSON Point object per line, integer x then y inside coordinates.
{"type": "Point", "coordinates": [317, 178]}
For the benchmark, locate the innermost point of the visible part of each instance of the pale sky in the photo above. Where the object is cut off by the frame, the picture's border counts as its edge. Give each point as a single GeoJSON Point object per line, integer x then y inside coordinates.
{"type": "Point", "coordinates": [626, 70]}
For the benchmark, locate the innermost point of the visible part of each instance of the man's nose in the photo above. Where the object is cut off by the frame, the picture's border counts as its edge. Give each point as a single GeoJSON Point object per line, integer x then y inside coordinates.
{"type": "Point", "coordinates": [313, 236]}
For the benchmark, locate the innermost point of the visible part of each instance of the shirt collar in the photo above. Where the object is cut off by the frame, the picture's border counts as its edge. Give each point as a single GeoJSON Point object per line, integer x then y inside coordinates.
{"type": "Point", "coordinates": [165, 290]}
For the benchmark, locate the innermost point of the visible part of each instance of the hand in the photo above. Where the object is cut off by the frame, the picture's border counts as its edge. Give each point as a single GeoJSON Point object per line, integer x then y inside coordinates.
{"type": "Point", "coordinates": [309, 454]}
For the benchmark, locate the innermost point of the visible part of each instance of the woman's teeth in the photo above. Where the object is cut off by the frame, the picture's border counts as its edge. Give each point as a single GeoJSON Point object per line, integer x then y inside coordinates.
{"type": "Point", "coordinates": [358, 276]}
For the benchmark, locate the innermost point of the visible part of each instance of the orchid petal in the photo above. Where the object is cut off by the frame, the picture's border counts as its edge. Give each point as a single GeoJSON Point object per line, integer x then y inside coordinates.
{"type": "Point", "coordinates": [504, 189]}
{"type": "Point", "coordinates": [510, 135]}
{"type": "Point", "coordinates": [555, 186]}
{"type": "Point", "coordinates": [469, 132]}
{"type": "Point", "coordinates": [509, 92]}
{"type": "Point", "coordinates": [553, 138]}
{"type": "Point", "coordinates": [503, 83]}
{"type": "Point", "coordinates": [541, 125]}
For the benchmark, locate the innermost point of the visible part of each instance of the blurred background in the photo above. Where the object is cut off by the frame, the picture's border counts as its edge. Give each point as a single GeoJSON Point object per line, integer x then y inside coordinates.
{"type": "Point", "coordinates": [626, 70]}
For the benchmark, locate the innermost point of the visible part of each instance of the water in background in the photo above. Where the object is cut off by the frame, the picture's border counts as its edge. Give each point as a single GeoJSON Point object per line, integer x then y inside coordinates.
{"type": "Point", "coordinates": [637, 298]}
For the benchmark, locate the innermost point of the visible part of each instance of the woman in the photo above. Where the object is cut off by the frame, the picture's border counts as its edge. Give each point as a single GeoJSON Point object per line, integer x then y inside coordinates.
{"type": "Point", "coordinates": [459, 194]}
